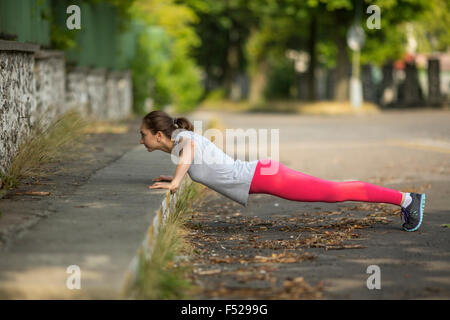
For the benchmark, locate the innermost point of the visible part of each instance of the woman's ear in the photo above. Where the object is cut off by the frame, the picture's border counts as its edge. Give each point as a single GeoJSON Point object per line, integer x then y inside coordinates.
{"type": "Point", "coordinates": [159, 136]}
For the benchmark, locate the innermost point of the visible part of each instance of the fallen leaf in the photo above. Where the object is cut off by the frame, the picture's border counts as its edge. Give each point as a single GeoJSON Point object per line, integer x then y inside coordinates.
{"type": "Point", "coordinates": [347, 246]}
{"type": "Point", "coordinates": [33, 193]}
{"type": "Point", "coordinates": [208, 272]}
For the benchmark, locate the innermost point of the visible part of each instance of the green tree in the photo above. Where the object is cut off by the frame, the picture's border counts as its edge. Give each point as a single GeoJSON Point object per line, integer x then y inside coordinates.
{"type": "Point", "coordinates": [267, 28]}
{"type": "Point", "coordinates": [163, 68]}
{"type": "Point", "coordinates": [432, 27]}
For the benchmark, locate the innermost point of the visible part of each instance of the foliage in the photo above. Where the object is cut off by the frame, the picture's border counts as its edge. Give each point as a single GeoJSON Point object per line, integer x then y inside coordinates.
{"type": "Point", "coordinates": [281, 77]}
{"type": "Point", "coordinates": [375, 50]}
{"type": "Point", "coordinates": [185, 82]}
{"type": "Point", "coordinates": [327, 53]}
{"type": "Point", "coordinates": [166, 75]}
{"type": "Point", "coordinates": [159, 277]}
{"type": "Point", "coordinates": [215, 95]}
{"type": "Point", "coordinates": [175, 18]}
{"type": "Point", "coordinates": [267, 26]}
{"type": "Point", "coordinates": [177, 39]}
{"type": "Point", "coordinates": [431, 28]}
{"type": "Point", "coordinates": [394, 16]}
{"type": "Point", "coordinates": [154, 38]}
{"type": "Point", "coordinates": [150, 67]}
{"type": "Point", "coordinates": [45, 144]}
{"type": "Point", "coordinates": [61, 38]}
{"type": "Point", "coordinates": [162, 67]}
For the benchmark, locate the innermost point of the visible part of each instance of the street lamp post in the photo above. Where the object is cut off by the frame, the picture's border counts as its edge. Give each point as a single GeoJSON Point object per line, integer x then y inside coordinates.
{"type": "Point", "coordinates": [355, 40]}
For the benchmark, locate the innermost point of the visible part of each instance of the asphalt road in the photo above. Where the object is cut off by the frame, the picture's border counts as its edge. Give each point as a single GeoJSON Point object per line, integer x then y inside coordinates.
{"type": "Point", "coordinates": [404, 150]}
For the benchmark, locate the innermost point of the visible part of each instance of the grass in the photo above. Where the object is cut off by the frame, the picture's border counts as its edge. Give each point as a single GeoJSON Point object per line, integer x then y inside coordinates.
{"type": "Point", "coordinates": [330, 108]}
{"type": "Point", "coordinates": [163, 276]}
{"type": "Point", "coordinates": [44, 145]}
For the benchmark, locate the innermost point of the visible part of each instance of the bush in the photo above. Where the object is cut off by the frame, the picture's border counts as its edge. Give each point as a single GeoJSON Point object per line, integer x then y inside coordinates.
{"type": "Point", "coordinates": [164, 74]}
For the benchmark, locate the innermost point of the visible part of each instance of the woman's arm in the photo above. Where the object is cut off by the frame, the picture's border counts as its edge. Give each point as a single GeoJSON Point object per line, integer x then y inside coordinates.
{"type": "Point", "coordinates": [185, 160]}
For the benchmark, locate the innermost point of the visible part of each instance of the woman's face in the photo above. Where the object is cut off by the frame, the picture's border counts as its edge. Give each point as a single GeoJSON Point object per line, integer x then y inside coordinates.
{"type": "Point", "coordinates": [149, 140]}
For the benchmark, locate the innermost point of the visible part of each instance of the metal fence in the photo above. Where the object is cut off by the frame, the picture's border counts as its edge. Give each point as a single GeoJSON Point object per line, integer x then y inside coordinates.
{"type": "Point", "coordinates": [102, 41]}
{"type": "Point", "coordinates": [25, 21]}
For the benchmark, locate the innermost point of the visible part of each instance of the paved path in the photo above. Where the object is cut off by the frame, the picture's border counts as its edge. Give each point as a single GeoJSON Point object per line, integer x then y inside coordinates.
{"type": "Point", "coordinates": [97, 226]}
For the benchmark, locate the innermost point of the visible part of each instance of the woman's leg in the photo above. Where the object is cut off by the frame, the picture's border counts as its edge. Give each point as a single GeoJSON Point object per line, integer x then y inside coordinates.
{"type": "Point", "coordinates": [293, 185]}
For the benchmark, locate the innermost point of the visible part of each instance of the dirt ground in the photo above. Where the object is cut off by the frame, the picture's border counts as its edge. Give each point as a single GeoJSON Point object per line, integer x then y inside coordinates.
{"type": "Point", "coordinates": [260, 257]}
{"type": "Point", "coordinates": [280, 249]}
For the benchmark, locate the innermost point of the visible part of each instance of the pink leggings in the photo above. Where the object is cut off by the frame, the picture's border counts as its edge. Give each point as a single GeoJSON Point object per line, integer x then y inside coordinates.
{"type": "Point", "coordinates": [272, 177]}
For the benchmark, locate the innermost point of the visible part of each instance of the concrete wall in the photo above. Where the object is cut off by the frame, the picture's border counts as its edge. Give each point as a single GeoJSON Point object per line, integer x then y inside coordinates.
{"type": "Point", "coordinates": [119, 95]}
{"type": "Point", "coordinates": [99, 93]}
{"type": "Point", "coordinates": [50, 89]}
{"type": "Point", "coordinates": [36, 85]}
{"type": "Point", "coordinates": [17, 102]}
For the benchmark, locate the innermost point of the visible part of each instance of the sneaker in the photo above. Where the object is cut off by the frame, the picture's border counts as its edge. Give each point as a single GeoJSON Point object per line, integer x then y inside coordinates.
{"type": "Point", "coordinates": [413, 214]}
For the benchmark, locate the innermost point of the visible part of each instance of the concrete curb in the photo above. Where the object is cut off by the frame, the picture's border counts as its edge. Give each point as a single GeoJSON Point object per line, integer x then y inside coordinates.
{"type": "Point", "coordinates": [145, 250]}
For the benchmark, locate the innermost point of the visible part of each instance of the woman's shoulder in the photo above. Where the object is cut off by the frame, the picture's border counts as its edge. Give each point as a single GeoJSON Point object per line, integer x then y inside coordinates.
{"type": "Point", "coordinates": [184, 133]}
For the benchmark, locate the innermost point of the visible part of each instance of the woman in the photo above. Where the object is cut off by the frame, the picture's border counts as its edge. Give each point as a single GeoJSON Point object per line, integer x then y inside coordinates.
{"type": "Point", "coordinates": [236, 179]}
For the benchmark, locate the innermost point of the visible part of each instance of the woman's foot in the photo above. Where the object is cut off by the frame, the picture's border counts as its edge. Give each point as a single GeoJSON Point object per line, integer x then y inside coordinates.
{"type": "Point", "coordinates": [413, 213]}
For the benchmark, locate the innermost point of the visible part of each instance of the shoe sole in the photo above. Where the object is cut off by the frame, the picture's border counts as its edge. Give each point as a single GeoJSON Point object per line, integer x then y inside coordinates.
{"type": "Point", "coordinates": [422, 207]}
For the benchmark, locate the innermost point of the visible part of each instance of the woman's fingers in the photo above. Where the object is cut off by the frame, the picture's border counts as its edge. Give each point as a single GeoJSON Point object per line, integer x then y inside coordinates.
{"type": "Point", "coordinates": [160, 185]}
{"type": "Point", "coordinates": [164, 185]}
{"type": "Point", "coordinates": [163, 178]}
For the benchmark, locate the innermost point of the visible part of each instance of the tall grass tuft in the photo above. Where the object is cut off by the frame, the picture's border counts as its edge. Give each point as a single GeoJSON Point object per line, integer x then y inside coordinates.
{"type": "Point", "coordinates": [43, 145]}
{"type": "Point", "coordinates": [161, 277]}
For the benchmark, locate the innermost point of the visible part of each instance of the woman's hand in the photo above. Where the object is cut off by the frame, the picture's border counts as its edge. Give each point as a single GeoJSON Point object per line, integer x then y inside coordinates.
{"type": "Point", "coordinates": [163, 178]}
{"type": "Point", "coordinates": [165, 185]}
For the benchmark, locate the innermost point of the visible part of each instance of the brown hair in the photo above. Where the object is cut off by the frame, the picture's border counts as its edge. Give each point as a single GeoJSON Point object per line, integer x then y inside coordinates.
{"type": "Point", "coordinates": [160, 121]}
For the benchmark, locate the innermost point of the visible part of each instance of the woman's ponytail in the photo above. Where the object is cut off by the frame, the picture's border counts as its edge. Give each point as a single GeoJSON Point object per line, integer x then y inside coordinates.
{"type": "Point", "coordinates": [160, 121]}
{"type": "Point", "coordinates": [183, 123]}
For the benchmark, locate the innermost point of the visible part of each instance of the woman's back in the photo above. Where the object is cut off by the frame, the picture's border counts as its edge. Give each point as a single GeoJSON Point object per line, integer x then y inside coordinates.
{"type": "Point", "coordinates": [218, 171]}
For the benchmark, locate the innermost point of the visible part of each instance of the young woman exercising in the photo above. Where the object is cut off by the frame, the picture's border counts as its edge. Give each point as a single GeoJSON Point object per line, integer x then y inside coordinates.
{"type": "Point", "coordinates": [236, 179]}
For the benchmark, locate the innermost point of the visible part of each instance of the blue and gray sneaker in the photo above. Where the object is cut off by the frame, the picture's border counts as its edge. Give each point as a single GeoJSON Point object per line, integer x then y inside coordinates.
{"type": "Point", "coordinates": [413, 214]}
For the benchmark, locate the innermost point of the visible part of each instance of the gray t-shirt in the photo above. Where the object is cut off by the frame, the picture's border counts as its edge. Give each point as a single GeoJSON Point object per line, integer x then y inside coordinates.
{"type": "Point", "coordinates": [217, 170]}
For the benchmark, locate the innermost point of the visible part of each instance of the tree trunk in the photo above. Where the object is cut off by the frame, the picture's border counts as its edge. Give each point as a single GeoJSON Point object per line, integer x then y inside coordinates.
{"type": "Point", "coordinates": [413, 96]}
{"type": "Point", "coordinates": [342, 68]}
{"type": "Point", "coordinates": [312, 58]}
{"type": "Point", "coordinates": [388, 90]}
{"type": "Point", "coordinates": [369, 87]}
{"type": "Point", "coordinates": [258, 82]}
{"type": "Point", "coordinates": [231, 77]}
{"type": "Point", "coordinates": [434, 85]}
